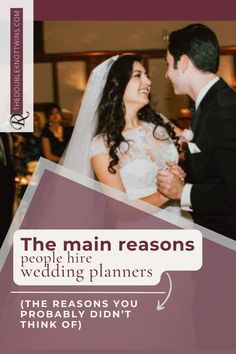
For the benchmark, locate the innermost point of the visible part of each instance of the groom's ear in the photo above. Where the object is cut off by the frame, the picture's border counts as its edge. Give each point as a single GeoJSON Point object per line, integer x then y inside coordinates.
{"type": "Point", "coordinates": [184, 63]}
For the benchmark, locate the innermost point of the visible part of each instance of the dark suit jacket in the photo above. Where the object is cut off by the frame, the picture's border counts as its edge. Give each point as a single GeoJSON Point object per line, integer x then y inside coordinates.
{"type": "Point", "coordinates": [213, 171]}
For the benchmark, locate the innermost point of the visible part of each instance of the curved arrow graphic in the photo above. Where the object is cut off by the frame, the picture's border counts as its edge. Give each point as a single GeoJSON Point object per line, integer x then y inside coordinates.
{"type": "Point", "coordinates": [160, 305]}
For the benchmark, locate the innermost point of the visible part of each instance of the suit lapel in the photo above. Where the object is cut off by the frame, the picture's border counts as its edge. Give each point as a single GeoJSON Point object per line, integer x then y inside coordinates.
{"type": "Point", "coordinates": [205, 103]}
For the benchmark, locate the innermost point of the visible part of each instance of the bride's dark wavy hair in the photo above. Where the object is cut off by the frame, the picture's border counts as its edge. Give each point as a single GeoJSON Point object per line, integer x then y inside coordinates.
{"type": "Point", "coordinates": [111, 110]}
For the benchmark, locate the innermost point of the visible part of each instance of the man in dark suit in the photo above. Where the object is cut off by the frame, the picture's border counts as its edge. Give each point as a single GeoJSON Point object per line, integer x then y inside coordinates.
{"type": "Point", "coordinates": [210, 188]}
{"type": "Point", "coordinates": [7, 185]}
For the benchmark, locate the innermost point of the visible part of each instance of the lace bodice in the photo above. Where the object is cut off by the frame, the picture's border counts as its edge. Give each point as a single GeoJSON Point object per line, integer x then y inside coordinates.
{"type": "Point", "coordinates": [141, 158]}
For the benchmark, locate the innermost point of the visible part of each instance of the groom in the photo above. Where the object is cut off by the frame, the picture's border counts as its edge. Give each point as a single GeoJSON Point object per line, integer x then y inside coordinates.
{"type": "Point", "coordinates": [210, 164]}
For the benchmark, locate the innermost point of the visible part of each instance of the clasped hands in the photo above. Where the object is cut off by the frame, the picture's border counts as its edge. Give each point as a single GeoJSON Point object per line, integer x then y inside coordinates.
{"type": "Point", "coordinates": [170, 182]}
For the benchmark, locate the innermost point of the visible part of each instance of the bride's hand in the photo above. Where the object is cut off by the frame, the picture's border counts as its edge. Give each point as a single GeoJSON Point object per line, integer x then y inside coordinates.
{"type": "Point", "coordinates": [176, 170]}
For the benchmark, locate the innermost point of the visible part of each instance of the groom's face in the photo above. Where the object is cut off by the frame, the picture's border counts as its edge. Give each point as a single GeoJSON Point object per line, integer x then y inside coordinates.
{"type": "Point", "coordinates": [174, 74]}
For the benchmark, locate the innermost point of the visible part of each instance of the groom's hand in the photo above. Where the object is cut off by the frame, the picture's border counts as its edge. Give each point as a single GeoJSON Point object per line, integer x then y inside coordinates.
{"type": "Point", "coordinates": [169, 184]}
{"type": "Point", "coordinates": [176, 170]}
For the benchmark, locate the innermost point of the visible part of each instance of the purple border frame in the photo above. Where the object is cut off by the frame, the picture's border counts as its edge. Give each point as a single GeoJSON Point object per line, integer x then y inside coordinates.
{"type": "Point", "coordinates": [134, 10]}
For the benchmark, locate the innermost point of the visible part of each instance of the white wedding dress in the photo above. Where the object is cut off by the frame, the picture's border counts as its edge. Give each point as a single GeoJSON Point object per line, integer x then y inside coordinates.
{"type": "Point", "coordinates": [140, 161]}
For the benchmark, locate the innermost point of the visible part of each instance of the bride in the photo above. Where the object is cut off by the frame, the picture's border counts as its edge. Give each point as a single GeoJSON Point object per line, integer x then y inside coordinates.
{"type": "Point", "coordinates": [118, 136]}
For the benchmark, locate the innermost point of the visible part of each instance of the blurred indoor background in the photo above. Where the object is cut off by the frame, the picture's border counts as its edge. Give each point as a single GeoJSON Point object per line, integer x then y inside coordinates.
{"type": "Point", "coordinates": [67, 51]}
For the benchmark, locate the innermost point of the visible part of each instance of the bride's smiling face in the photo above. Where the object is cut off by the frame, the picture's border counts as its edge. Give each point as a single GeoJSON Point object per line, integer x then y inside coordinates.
{"type": "Point", "coordinates": [138, 88]}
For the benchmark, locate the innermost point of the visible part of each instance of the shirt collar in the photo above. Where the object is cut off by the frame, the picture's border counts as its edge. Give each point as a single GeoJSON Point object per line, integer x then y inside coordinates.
{"type": "Point", "coordinates": [204, 90]}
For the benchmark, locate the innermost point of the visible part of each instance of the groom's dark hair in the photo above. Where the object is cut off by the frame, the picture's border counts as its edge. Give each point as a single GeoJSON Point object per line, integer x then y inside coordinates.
{"type": "Point", "coordinates": [199, 43]}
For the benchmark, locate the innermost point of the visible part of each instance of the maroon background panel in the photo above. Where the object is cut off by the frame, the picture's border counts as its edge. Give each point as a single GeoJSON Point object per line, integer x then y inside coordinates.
{"type": "Point", "coordinates": [134, 10]}
{"type": "Point", "coordinates": [199, 316]}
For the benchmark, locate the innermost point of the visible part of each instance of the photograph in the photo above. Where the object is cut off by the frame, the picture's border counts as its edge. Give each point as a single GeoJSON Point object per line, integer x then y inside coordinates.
{"type": "Point", "coordinates": [118, 178]}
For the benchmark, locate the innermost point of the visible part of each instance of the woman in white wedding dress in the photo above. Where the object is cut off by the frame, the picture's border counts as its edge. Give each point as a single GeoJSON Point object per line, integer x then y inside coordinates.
{"type": "Point", "coordinates": [132, 142]}
{"type": "Point", "coordinates": [118, 137]}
